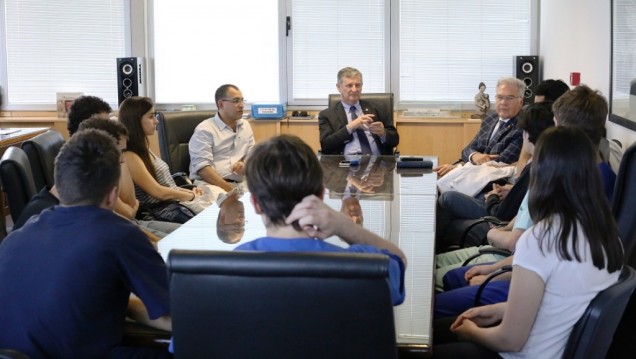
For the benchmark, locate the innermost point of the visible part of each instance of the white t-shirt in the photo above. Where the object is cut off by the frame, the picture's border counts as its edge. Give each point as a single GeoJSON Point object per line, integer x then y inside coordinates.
{"type": "Point", "coordinates": [569, 288]}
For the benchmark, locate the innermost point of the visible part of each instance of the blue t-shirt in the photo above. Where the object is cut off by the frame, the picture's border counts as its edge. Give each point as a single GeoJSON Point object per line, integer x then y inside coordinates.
{"type": "Point", "coordinates": [66, 279]}
{"type": "Point", "coordinates": [270, 244]}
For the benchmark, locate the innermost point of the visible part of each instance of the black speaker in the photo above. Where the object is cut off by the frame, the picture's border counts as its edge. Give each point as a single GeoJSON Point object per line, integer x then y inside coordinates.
{"type": "Point", "coordinates": [526, 69]}
{"type": "Point", "coordinates": [131, 77]}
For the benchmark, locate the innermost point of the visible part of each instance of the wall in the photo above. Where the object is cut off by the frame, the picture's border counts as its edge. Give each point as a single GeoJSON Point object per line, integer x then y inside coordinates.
{"type": "Point", "coordinates": [575, 37]}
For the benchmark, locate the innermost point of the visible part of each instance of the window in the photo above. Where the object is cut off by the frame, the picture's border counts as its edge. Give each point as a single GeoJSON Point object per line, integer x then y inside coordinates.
{"type": "Point", "coordinates": [327, 35]}
{"type": "Point", "coordinates": [200, 45]}
{"type": "Point", "coordinates": [61, 46]}
{"type": "Point", "coordinates": [447, 47]}
{"type": "Point", "coordinates": [623, 77]}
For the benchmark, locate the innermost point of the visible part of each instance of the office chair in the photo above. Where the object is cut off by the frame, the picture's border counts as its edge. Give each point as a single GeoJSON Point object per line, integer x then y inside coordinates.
{"type": "Point", "coordinates": [12, 354]}
{"type": "Point", "coordinates": [175, 130]}
{"type": "Point", "coordinates": [17, 180]}
{"type": "Point", "coordinates": [41, 151]}
{"type": "Point", "coordinates": [280, 305]}
{"type": "Point", "coordinates": [592, 334]}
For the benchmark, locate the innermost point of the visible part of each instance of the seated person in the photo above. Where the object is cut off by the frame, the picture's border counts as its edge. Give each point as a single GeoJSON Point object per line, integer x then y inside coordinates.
{"type": "Point", "coordinates": [85, 107]}
{"type": "Point", "coordinates": [498, 138]}
{"type": "Point", "coordinates": [582, 108]}
{"type": "Point", "coordinates": [285, 182]}
{"type": "Point", "coordinates": [550, 90]}
{"type": "Point", "coordinates": [220, 145]}
{"type": "Point", "coordinates": [154, 186]}
{"type": "Point", "coordinates": [504, 200]}
{"type": "Point", "coordinates": [574, 233]}
{"type": "Point", "coordinates": [68, 274]}
{"type": "Point", "coordinates": [354, 126]}
{"type": "Point", "coordinates": [126, 206]}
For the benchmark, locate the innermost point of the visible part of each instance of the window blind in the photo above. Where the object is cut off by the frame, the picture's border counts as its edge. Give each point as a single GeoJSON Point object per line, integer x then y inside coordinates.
{"type": "Point", "coordinates": [62, 46]}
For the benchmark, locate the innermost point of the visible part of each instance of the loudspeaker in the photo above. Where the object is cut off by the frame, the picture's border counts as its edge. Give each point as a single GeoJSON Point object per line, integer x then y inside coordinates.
{"type": "Point", "coordinates": [526, 69]}
{"type": "Point", "coordinates": [131, 77]}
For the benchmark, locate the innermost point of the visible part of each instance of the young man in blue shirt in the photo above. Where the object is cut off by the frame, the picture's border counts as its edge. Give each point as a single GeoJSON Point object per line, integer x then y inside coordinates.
{"type": "Point", "coordinates": [285, 180]}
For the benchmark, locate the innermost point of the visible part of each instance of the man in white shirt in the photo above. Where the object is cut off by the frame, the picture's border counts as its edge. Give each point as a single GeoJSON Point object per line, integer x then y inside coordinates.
{"type": "Point", "coordinates": [220, 144]}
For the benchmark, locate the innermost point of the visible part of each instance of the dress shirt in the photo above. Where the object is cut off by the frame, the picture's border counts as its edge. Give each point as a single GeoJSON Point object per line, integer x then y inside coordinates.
{"type": "Point", "coordinates": [353, 146]}
{"type": "Point", "coordinates": [215, 144]}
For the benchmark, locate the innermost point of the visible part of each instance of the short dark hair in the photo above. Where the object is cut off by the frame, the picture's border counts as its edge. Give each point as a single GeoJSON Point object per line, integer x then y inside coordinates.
{"type": "Point", "coordinates": [584, 108]}
{"type": "Point", "coordinates": [82, 108]}
{"type": "Point", "coordinates": [551, 89]}
{"type": "Point", "coordinates": [536, 118]}
{"type": "Point", "coordinates": [87, 168]}
{"type": "Point", "coordinates": [221, 92]}
{"type": "Point", "coordinates": [280, 172]}
{"type": "Point", "coordinates": [566, 192]}
{"type": "Point", "coordinates": [113, 128]}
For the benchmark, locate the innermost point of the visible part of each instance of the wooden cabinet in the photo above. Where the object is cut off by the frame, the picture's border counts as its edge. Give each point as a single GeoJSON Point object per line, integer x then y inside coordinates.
{"type": "Point", "coordinates": [307, 130]}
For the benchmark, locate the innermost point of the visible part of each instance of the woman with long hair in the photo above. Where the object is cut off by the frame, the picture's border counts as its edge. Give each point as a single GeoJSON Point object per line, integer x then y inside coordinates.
{"type": "Point", "coordinates": [154, 186]}
{"type": "Point", "coordinates": [570, 254]}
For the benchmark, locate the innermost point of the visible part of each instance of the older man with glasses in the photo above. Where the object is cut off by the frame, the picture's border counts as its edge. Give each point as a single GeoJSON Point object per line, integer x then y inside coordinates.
{"type": "Point", "coordinates": [220, 144]}
{"type": "Point", "coordinates": [498, 138]}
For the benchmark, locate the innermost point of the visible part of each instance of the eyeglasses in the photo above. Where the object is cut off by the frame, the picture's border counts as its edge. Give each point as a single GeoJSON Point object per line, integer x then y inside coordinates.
{"type": "Point", "coordinates": [506, 98]}
{"type": "Point", "coordinates": [235, 101]}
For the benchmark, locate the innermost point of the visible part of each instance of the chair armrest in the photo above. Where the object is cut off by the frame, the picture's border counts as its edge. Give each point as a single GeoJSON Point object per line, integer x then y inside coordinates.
{"type": "Point", "coordinates": [504, 269]}
{"type": "Point", "coordinates": [490, 250]}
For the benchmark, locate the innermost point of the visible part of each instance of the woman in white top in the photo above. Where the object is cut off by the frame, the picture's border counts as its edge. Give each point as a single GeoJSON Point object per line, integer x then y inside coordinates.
{"type": "Point", "coordinates": [561, 263]}
{"type": "Point", "coordinates": [154, 186]}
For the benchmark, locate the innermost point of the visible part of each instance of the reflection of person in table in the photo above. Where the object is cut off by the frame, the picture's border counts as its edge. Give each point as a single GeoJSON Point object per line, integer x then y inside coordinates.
{"type": "Point", "coordinates": [352, 209]}
{"type": "Point", "coordinates": [285, 180]}
{"type": "Point", "coordinates": [230, 224]}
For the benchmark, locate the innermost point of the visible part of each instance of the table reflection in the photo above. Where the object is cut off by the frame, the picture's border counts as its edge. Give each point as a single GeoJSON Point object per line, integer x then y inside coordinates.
{"type": "Point", "coordinates": [397, 204]}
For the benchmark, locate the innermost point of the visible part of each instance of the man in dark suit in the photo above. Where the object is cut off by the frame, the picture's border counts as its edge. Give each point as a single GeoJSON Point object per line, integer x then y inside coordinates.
{"type": "Point", "coordinates": [354, 126]}
{"type": "Point", "coordinates": [499, 138]}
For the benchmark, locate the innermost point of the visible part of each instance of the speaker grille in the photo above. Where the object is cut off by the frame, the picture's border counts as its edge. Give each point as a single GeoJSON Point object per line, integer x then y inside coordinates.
{"type": "Point", "coordinates": [130, 78]}
{"type": "Point", "coordinates": [526, 69]}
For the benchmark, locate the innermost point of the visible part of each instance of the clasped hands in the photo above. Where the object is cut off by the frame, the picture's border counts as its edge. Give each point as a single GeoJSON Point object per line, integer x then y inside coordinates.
{"type": "Point", "coordinates": [366, 122]}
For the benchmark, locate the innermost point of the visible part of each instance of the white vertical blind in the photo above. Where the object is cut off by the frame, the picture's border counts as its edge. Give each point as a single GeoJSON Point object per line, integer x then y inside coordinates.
{"type": "Point", "coordinates": [62, 46]}
{"type": "Point", "coordinates": [200, 45]}
{"type": "Point", "coordinates": [328, 35]}
{"type": "Point", "coordinates": [447, 47]}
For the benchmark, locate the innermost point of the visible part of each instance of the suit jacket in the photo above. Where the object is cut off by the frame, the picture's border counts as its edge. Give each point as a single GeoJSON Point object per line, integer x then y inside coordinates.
{"type": "Point", "coordinates": [334, 136]}
{"type": "Point", "coordinates": [506, 143]}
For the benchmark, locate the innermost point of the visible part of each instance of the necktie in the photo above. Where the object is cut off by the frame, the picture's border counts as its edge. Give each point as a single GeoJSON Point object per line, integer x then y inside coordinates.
{"type": "Point", "coordinates": [365, 147]}
{"type": "Point", "coordinates": [500, 126]}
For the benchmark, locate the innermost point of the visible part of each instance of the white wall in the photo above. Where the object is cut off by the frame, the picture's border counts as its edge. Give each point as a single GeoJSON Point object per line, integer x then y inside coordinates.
{"type": "Point", "coordinates": [575, 37]}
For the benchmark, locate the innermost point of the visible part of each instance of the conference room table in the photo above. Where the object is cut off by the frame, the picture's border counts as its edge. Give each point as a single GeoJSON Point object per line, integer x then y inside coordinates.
{"type": "Point", "coordinates": [396, 203]}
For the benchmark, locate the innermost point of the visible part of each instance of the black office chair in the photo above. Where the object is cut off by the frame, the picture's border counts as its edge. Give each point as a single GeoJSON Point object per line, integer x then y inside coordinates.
{"type": "Point", "coordinates": [41, 151]}
{"type": "Point", "coordinates": [280, 305]}
{"type": "Point", "coordinates": [12, 354]}
{"type": "Point", "coordinates": [175, 130]}
{"type": "Point", "coordinates": [17, 180]}
{"type": "Point", "coordinates": [592, 334]}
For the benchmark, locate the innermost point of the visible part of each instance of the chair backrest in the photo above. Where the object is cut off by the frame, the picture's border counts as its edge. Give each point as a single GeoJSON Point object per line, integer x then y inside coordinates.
{"type": "Point", "coordinates": [280, 305]}
{"type": "Point", "coordinates": [592, 334]}
{"type": "Point", "coordinates": [17, 180]}
{"type": "Point", "coordinates": [624, 205]}
{"type": "Point", "coordinates": [383, 101]}
{"type": "Point", "coordinates": [175, 129]}
{"type": "Point", "coordinates": [41, 151]}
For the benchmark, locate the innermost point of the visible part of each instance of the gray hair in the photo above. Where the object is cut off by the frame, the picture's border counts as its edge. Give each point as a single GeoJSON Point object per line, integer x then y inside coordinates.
{"type": "Point", "coordinates": [348, 72]}
{"type": "Point", "coordinates": [513, 81]}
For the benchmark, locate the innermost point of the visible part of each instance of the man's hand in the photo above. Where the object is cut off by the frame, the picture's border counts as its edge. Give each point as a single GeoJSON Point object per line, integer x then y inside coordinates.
{"type": "Point", "coordinates": [316, 218]}
{"type": "Point", "coordinates": [377, 128]}
{"type": "Point", "coordinates": [443, 169]}
{"type": "Point", "coordinates": [363, 122]}
{"type": "Point", "coordinates": [481, 158]}
{"type": "Point", "coordinates": [238, 168]}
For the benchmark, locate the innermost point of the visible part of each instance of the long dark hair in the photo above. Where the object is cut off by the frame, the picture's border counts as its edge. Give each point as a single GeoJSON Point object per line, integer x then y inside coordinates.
{"type": "Point", "coordinates": [565, 183]}
{"type": "Point", "coordinates": [131, 112]}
